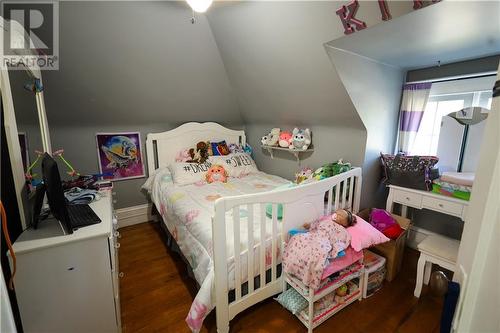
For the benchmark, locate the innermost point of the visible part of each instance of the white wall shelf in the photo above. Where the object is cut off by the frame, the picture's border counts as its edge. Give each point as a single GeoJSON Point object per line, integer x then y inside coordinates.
{"type": "Point", "coordinates": [295, 152]}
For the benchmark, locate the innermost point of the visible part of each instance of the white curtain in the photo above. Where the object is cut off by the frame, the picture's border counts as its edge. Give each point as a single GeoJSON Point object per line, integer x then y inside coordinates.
{"type": "Point", "coordinates": [413, 105]}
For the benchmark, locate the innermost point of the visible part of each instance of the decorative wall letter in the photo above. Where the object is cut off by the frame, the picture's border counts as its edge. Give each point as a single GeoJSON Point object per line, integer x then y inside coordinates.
{"type": "Point", "coordinates": [346, 14]}
{"type": "Point", "coordinates": [384, 10]}
{"type": "Point", "coordinates": [417, 4]}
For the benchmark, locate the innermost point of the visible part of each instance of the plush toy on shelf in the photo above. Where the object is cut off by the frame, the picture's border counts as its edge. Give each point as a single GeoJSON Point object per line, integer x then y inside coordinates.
{"type": "Point", "coordinates": [285, 139]}
{"type": "Point", "coordinates": [264, 140]}
{"type": "Point", "coordinates": [273, 137]}
{"type": "Point", "coordinates": [301, 139]}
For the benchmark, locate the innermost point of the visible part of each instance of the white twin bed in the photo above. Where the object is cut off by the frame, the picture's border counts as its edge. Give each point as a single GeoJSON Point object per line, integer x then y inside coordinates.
{"type": "Point", "coordinates": [212, 222]}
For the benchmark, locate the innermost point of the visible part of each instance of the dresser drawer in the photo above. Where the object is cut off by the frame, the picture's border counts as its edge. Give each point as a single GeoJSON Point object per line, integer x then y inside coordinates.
{"type": "Point", "coordinates": [408, 198]}
{"type": "Point", "coordinates": [443, 206]}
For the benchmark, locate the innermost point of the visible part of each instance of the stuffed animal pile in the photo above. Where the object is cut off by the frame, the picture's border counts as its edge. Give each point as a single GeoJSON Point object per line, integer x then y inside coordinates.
{"type": "Point", "coordinates": [204, 150]}
{"type": "Point", "coordinates": [298, 139]}
{"type": "Point", "coordinates": [306, 175]}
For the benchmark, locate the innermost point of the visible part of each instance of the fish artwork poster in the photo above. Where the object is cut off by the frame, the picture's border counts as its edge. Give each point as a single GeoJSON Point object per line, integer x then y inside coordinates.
{"type": "Point", "coordinates": [120, 155]}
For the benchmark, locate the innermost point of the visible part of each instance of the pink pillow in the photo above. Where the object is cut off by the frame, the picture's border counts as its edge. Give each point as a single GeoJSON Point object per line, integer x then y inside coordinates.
{"type": "Point", "coordinates": [364, 235]}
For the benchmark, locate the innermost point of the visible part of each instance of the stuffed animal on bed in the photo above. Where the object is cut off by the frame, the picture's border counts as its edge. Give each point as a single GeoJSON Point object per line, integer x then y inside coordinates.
{"type": "Point", "coordinates": [199, 154]}
{"type": "Point", "coordinates": [216, 173]}
{"type": "Point", "coordinates": [301, 139]}
{"type": "Point", "coordinates": [234, 148]}
{"type": "Point", "coordinates": [183, 156]}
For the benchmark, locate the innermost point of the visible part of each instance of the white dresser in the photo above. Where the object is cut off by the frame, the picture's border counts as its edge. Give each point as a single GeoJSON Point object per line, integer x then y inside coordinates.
{"type": "Point", "coordinates": [70, 283]}
{"type": "Point", "coordinates": [418, 199]}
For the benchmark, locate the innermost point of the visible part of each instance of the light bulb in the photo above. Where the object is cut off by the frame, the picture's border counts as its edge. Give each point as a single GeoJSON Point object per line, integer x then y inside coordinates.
{"type": "Point", "coordinates": [199, 6]}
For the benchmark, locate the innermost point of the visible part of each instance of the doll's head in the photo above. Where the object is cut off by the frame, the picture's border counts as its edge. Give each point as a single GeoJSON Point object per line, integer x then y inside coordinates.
{"type": "Point", "coordinates": [344, 217]}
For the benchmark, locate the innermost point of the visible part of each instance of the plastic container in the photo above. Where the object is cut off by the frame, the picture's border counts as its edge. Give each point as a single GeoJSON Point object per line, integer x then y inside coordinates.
{"type": "Point", "coordinates": [374, 273]}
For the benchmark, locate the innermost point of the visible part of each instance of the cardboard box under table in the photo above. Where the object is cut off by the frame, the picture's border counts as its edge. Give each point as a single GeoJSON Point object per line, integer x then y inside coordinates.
{"type": "Point", "coordinates": [392, 250]}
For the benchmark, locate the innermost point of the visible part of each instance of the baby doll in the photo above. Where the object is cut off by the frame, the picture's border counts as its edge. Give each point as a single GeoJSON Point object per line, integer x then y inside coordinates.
{"type": "Point", "coordinates": [344, 217]}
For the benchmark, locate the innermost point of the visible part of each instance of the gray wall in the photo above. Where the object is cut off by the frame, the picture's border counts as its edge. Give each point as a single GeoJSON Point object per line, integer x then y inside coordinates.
{"type": "Point", "coordinates": [282, 76]}
{"type": "Point", "coordinates": [138, 66]}
{"type": "Point", "coordinates": [375, 90]}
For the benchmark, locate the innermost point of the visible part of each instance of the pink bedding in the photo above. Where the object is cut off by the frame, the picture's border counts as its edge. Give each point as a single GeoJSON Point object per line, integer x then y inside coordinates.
{"type": "Point", "coordinates": [305, 254]}
{"type": "Point", "coordinates": [340, 263]}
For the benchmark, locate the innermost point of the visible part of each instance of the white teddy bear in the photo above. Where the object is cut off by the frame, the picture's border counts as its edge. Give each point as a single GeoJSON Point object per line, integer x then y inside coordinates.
{"type": "Point", "coordinates": [273, 137]}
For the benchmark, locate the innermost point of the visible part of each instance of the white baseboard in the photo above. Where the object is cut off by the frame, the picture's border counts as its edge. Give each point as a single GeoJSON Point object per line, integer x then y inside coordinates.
{"type": "Point", "coordinates": [135, 215]}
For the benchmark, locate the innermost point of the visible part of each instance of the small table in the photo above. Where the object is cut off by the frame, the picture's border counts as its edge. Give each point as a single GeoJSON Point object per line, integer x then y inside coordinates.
{"type": "Point", "coordinates": [418, 199]}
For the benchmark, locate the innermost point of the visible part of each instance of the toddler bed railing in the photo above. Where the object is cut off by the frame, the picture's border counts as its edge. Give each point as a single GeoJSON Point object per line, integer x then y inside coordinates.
{"type": "Point", "coordinates": [300, 204]}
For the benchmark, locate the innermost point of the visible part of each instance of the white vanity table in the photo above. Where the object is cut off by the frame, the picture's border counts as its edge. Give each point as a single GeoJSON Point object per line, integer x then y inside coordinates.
{"type": "Point", "coordinates": [70, 283]}
{"type": "Point", "coordinates": [418, 199]}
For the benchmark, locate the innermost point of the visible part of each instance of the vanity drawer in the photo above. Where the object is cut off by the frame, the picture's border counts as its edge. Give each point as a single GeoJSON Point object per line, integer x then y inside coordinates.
{"type": "Point", "coordinates": [408, 198]}
{"type": "Point", "coordinates": [445, 206]}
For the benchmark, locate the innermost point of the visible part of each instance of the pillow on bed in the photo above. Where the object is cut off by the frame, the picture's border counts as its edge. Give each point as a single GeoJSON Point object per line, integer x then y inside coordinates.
{"type": "Point", "coordinates": [189, 173]}
{"type": "Point", "coordinates": [236, 165]}
{"type": "Point", "coordinates": [364, 235]}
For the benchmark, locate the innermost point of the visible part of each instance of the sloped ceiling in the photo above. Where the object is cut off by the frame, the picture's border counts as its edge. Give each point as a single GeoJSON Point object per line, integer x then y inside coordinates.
{"type": "Point", "coordinates": [449, 31]}
{"type": "Point", "coordinates": [132, 63]}
{"type": "Point", "coordinates": [275, 59]}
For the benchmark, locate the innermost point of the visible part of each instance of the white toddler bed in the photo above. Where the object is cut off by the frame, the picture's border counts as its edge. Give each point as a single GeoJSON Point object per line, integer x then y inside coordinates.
{"type": "Point", "coordinates": [211, 228]}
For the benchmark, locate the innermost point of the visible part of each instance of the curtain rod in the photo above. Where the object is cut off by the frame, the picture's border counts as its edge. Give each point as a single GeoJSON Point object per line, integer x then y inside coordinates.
{"type": "Point", "coordinates": [455, 77]}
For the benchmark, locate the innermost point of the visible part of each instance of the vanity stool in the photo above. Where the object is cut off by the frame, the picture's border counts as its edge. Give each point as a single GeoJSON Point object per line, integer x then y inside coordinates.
{"type": "Point", "coordinates": [435, 249]}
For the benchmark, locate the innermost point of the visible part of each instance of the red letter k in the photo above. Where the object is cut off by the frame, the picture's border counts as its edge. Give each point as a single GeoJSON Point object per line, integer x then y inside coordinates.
{"type": "Point", "coordinates": [346, 14]}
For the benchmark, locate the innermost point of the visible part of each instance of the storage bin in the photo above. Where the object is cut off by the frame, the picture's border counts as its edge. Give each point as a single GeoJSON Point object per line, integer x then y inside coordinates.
{"type": "Point", "coordinates": [374, 273]}
{"type": "Point", "coordinates": [392, 250]}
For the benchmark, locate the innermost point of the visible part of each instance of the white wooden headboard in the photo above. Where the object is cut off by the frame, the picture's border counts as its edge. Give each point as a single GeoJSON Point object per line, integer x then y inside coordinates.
{"type": "Point", "coordinates": [162, 148]}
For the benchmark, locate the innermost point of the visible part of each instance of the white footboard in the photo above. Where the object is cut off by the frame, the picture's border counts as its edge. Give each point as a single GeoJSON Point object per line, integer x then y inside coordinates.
{"type": "Point", "coordinates": [300, 204]}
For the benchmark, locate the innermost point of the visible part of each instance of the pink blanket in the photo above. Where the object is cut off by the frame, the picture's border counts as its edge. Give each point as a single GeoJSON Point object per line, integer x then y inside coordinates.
{"type": "Point", "coordinates": [305, 254]}
{"type": "Point", "coordinates": [340, 263]}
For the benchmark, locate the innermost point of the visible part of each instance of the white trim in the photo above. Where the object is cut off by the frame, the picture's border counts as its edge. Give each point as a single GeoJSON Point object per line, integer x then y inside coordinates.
{"type": "Point", "coordinates": [13, 145]}
{"type": "Point", "coordinates": [134, 215]}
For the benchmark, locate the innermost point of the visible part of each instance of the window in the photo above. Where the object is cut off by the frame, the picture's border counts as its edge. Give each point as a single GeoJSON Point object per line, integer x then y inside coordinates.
{"type": "Point", "coordinates": [445, 98]}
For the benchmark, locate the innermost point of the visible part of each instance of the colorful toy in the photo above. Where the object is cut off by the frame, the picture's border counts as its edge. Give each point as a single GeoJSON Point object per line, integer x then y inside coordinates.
{"type": "Point", "coordinates": [248, 149]}
{"type": "Point", "coordinates": [303, 175]}
{"type": "Point", "coordinates": [342, 290]}
{"type": "Point", "coordinates": [199, 154]}
{"type": "Point", "coordinates": [273, 137]}
{"type": "Point", "coordinates": [234, 148]}
{"type": "Point", "coordinates": [301, 139]}
{"type": "Point", "coordinates": [183, 156]}
{"type": "Point", "coordinates": [285, 139]}
{"type": "Point", "coordinates": [216, 173]}
{"type": "Point", "coordinates": [331, 169]}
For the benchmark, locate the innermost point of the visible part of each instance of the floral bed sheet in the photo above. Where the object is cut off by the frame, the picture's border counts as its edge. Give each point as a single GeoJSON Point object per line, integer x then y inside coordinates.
{"type": "Point", "coordinates": [187, 212]}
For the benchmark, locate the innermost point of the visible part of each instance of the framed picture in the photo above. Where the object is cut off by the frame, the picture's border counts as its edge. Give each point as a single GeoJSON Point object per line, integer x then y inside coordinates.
{"type": "Point", "coordinates": [120, 155]}
{"type": "Point", "coordinates": [23, 143]}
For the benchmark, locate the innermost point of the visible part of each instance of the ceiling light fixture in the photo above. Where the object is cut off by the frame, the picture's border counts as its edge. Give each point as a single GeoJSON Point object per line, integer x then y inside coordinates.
{"type": "Point", "coordinates": [199, 6]}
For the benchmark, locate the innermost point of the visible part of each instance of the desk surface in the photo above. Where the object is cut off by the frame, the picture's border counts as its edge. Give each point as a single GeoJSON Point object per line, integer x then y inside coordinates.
{"type": "Point", "coordinates": [49, 232]}
{"type": "Point", "coordinates": [431, 194]}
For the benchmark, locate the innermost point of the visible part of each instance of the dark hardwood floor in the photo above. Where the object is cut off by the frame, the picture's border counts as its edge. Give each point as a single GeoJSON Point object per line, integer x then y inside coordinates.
{"type": "Point", "coordinates": [156, 294]}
